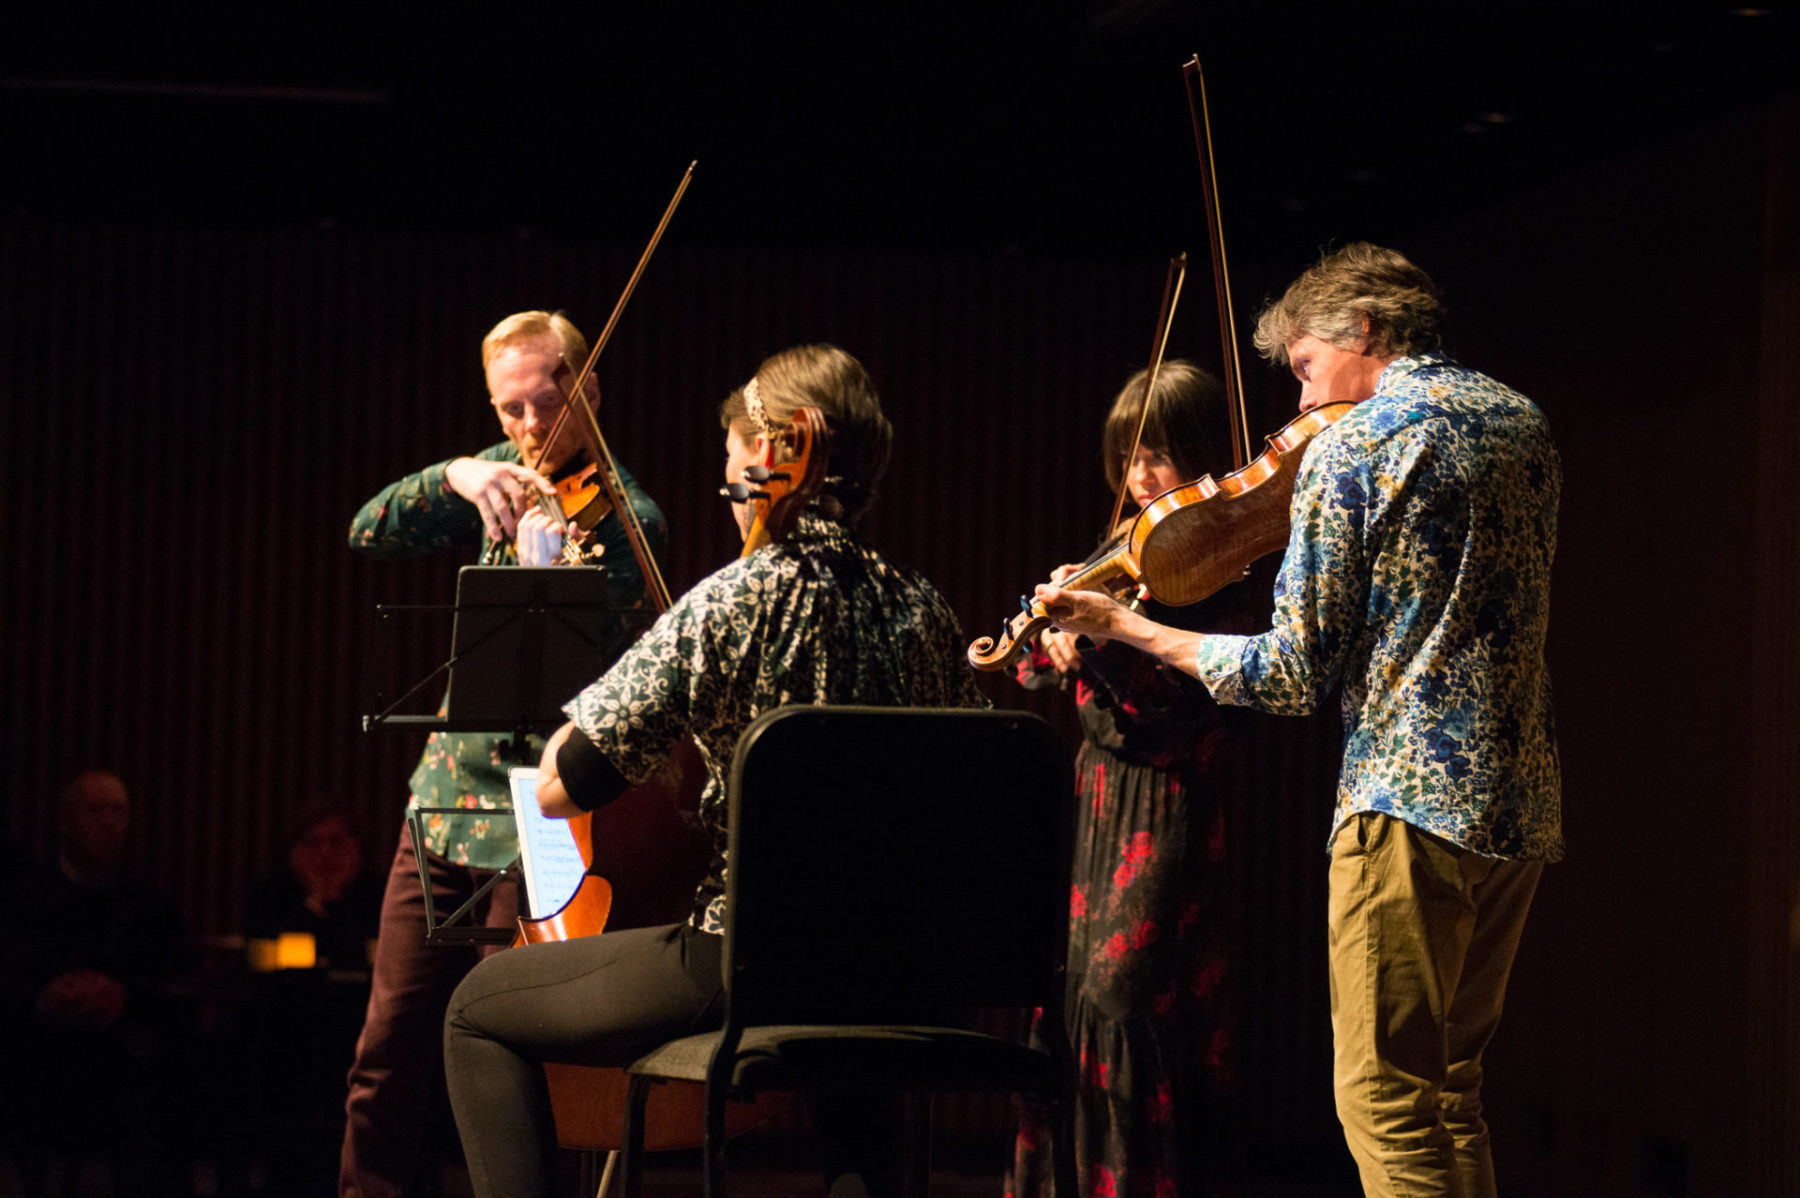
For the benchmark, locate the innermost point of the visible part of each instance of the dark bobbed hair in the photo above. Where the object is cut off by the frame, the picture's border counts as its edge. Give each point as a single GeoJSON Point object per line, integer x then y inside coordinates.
{"type": "Point", "coordinates": [1186, 421]}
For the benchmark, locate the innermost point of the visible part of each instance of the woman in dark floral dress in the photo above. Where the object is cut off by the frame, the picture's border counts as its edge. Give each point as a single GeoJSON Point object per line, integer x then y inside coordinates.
{"type": "Point", "coordinates": [1148, 975]}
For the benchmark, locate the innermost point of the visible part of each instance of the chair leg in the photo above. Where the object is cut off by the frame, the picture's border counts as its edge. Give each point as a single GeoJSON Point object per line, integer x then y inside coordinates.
{"type": "Point", "coordinates": [637, 1097]}
{"type": "Point", "coordinates": [716, 1097]}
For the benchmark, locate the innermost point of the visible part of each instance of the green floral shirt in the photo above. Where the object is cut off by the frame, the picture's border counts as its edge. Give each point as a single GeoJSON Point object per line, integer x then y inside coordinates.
{"type": "Point", "coordinates": [818, 618]}
{"type": "Point", "coordinates": [420, 514]}
{"type": "Point", "coordinates": [1417, 578]}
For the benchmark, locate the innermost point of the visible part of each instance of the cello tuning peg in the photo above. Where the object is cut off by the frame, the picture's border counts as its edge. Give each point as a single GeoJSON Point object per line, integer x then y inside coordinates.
{"type": "Point", "coordinates": [757, 474]}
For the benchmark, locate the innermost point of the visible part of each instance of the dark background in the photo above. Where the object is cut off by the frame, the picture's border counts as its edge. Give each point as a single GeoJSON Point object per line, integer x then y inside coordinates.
{"type": "Point", "coordinates": [247, 254]}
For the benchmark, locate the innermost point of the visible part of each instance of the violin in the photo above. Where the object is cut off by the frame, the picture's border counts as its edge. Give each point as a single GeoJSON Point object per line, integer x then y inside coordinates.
{"type": "Point", "coordinates": [1187, 543]}
{"type": "Point", "coordinates": [1192, 540]}
{"type": "Point", "coordinates": [791, 473]}
{"type": "Point", "coordinates": [579, 503]}
{"type": "Point", "coordinates": [586, 492]}
{"type": "Point", "coordinates": [587, 427]}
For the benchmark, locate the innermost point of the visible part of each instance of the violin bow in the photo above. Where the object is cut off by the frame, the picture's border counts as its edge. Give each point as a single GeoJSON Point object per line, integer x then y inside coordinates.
{"type": "Point", "coordinates": [1195, 78]}
{"type": "Point", "coordinates": [588, 425]}
{"type": "Point", "coordinates": [1158, 346]}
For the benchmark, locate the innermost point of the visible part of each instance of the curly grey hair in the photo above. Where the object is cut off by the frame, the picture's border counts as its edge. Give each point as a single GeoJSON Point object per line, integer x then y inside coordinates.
{"type": "Point", "coordinates": [1336, 293]}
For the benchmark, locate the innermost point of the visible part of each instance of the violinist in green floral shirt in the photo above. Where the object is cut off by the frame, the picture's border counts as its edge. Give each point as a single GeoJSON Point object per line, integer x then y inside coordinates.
{"type": "Point", "coordinates": [487, 500]}
{"type": "Point", "coordinates": [1417, 585]}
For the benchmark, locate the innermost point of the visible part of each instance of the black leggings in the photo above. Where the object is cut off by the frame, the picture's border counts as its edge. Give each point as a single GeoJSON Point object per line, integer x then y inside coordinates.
{"type": "Point", "coordinates": [599, 1000]}
{"type": "Point", "coordinates": [607, 1000]}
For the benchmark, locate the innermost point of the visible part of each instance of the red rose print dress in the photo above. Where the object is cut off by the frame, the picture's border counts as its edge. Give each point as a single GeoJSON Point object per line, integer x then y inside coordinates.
{"type": "Point", "coordinates": [1148, 975]}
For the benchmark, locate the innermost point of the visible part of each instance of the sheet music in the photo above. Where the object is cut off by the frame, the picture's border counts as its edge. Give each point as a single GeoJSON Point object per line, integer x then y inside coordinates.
{"type": "Point", "coordinates": [547, 849]}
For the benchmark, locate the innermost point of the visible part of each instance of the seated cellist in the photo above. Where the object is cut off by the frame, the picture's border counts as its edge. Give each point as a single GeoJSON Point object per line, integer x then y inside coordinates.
{"type": "Point", "coordinates": [815, 617]}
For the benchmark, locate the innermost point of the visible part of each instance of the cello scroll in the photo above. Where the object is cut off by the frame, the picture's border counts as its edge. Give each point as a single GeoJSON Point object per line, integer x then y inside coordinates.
{"type": "Point", "coordinates": [791, 473]}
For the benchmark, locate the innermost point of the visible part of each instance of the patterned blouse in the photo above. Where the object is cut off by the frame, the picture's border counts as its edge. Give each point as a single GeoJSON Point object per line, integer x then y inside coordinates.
{"type": "Point", "coordinates": [1417, 576]}
{"type": "Point", "coordinates": [818, 618]}
{"type": "Point", "coordinates": [420, 514]}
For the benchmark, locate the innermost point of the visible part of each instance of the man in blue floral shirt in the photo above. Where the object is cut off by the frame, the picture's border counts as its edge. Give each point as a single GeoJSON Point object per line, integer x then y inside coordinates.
{"type": "Point", "coordinates": [1416, 583]}
{"type": "Point", "coordinates": [488, 499]}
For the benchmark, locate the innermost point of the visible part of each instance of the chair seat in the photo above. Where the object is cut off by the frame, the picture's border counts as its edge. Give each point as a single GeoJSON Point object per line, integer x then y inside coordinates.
{"type": "Point", "coordinates": [848, 1057]}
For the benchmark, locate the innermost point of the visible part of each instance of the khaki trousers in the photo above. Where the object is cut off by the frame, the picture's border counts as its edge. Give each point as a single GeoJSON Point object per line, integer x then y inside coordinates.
{"type": "Point", "coordinates": [1422, 936]}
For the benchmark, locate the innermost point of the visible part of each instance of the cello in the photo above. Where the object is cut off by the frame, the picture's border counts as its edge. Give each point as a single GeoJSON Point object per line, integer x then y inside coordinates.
{"type": "Point", "coordinates": [588, 1102]}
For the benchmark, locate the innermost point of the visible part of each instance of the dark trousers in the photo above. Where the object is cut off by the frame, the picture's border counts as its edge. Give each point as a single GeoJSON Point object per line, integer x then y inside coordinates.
{"type": "Point", "coordinates": [606, 1000]}
{"type": "Point", "coordinates": [396, 1081]}
{"type": "Point", "coordinates": [598, 1000]}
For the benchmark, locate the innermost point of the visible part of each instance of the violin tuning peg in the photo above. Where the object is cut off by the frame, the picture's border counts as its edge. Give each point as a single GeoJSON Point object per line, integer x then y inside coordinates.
{"type": "Point", "coordinates": [757, 474]}
{"type": "Point", "coordinates": [736, 492]}
{"type": "Point", "coordinates": [1024, 602]}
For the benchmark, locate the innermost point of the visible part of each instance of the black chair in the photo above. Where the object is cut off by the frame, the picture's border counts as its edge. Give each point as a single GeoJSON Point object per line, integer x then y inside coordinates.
{"type": "Point", "coordinates": [892, 870]}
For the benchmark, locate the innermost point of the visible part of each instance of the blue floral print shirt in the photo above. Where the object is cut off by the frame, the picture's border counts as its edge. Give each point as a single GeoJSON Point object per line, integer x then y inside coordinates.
{"type": "Point", "coordinates": [420, 514]}
{"type": "Point", "coordinates": [1417, 578]}
{"type": "Point", "coordinates": [817, 618]}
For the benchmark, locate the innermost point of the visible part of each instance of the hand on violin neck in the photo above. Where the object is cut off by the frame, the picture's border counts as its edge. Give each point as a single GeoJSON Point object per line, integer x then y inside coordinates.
{"type": "Point", "coordinates": [500, 491]}
{"type": "Point", "coordinates": [1081, 613]}
{"type": "Point", "coordinates": [539, 540]}
{"type": "Point", "coordinates": [1100, 617]}
{"type": "Point", "coordinates": [1060, 648]}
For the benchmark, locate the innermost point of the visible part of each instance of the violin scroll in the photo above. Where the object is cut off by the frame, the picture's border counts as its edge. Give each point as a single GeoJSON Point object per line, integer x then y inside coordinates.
{"type": "Point", "coordinates": [996, 653]}
{"type": "Point", "coordinates": [1113, 571]}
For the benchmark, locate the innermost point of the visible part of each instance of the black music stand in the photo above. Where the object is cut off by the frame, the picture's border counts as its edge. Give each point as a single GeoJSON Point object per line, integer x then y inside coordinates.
{"type": "Point", "coordinates": [526, 639]}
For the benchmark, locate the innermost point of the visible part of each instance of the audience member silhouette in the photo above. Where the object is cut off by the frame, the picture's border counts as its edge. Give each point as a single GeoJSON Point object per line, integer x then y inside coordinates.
{"type": "Point", "coordinates": [321, 890]}
{"type": "Point", "coordinates": [311, 926]}
{"type": "Point", "coordinates": [85, 984]}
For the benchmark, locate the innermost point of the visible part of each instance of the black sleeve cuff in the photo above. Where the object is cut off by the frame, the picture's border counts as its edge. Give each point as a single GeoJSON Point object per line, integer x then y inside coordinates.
{"type": "Point", "coordinates": [588, 774]}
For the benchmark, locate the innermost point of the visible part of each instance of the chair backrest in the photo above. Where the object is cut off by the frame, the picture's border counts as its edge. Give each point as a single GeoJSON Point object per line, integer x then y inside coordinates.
{"type": "Point", "coordinates": [895, 865]}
